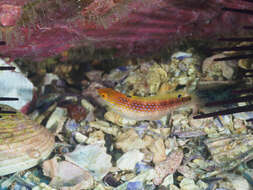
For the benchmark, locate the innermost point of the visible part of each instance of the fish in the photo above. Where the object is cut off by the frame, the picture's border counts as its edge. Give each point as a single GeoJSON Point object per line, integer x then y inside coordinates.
{"type": "Point", "coordinates": [143, 108]}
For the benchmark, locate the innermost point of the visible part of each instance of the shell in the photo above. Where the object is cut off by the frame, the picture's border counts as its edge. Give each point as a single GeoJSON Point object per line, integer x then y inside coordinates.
{"type": "Point", "coordinates": [23, 143]}
{"type": "Point", "coordinates": [230, 151]}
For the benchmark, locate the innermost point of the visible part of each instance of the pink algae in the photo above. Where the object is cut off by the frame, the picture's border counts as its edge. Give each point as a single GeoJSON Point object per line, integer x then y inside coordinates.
{"type": "Point", "coordinates": [40, 29]}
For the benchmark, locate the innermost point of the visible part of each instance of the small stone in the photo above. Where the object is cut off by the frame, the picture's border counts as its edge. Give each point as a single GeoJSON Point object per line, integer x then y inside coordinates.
{"type": "Point", "coordinates": [105, 127]}
{"type": "Point", "coordinates": [181, 55]}
{"type": "Point", "coordinates": [187, 172]}
{"type": "Point", "coordinates": [148, 156]}
{"type": "Point", "coordinates": [49, 78]}
{"type": "Point", "coordinates": [128, 160]}
{"type": "Point", "coordinates": [57, 118]}
{"type": "Point", "coordinates": [221, 70]}
{"type": "Point", "coordinates": [67, 175]}
{"type": "Point", "coordinates": [70, 127]}
{"type": "Point", "coordinates": [173, 187]}
{"type": "Point", "coordinates": [80, 138]}
{"type": "Point", "coordinates": [203, 185]}
{"type": "Point", "coordinates": [43, 186]}
{"type": "Point", "coordinates": [96, 137]}
{"type": "Point", "coordinates": [94, 75]}
{"type": "Point", "coordinates": [168, 180]}
{"type": "Point", "coordinates": [238, 182]}
{"type": "Point", "coordinates": [188, 184]}
{"type": "Point", "coordinates": [76, 112]}
{"type": "Point", "coordinates": [87, 105]}
{"type": "Point", "coordinates": [130, 140]}
{"type": "Point", "coordinates": [141, 167]}
{"type": "Point", "coordinates": [158, 150]}
{"type": "Point", "coordinates": [100, 187]}
{"type": "Point", "coordinates": [143, 177]}
{"type": "Point", "coordinates": [118, 120]}
{"type": "Point", "coordinates": [137, 185]}
{"type": "Point", "coordinates": [92, 158]}
{"type": "Point", "coordinates": [169, 166]}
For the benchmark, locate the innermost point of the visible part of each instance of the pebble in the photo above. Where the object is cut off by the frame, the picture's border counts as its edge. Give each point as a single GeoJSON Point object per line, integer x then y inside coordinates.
{"type": "Point", "coordinates": [43, 186]}
{"type": "Point", "coordinates": [80, 138]}
{"type": "Point", "coordinates": [83, 156]}
{"type": "Point", "coordinates": [188, 184]}
{"type": "Point", "coordinates": [129, 159]}
{"type": "Point", "coordinates": [158, 150]}
{"type": "Point", "coordinates": [130, 140]}
{"type": "Point", "coordinates": [169, 166]}
{"type": "Point", "coordinates": [57, 118]}
{"type": "Point", "coordinates": [137, 185]}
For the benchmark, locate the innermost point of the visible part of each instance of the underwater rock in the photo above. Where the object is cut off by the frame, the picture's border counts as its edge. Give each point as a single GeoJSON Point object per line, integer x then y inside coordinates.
{"type": "Point", "coordinates": [188, 184]}
{"type": "Point", "coordinates": [96, 137]}
{"type": "Point", "coordinates": [230, 151]}
{"type": "Point", "coordinates": [146, 80]}
{"type": "Point", "coordinates": [189, 134]}
{"type": "Point", "coordinates": [66, 175]}
{"type": "Point", "coordinates": [118, 120]}
{"type": "Point", "coordinates": [51, 83]}
{"type": "Point", "coordinates": [105, 127]}
{"type": "Point", "coordinates": [15, 84]}
{"type": "Point", "coordinates": [144, 177]}
{"type": "Point", "coordinates": [158, 150]}
{"type": "Point", "coordinates": [80, 138]}
{"type": "Point", "coordinates": [83, 156]}
{"type": "Point", "coordinates": [169, 166]}
{"type": "Point", "coordinates": [148, 156]}
{"type": "Point", "coordinates": [136, 82]}
{"type": "Point", "coordinates": [173, 187]}
{"type": "Point", "coordinates": [141, 167]}
{"type": "Point", "coordinates": [87, 105]}
{"type": "Point", "coordinates": [168, 180]}
{"type": "Point", "coordinates": [23, 142]}
{"type": "Point", "coordinates": [112, 180]}
{"type": "Point", "coordinates": [187, 171]}
{"type": "Point", "coordinates": [71, 126]}
{"type": "Point", "coordinates": [184, 71]}
{"type": "Point", "coordinates": [243, 115]}
{"type": "Point", "coordinates": [239, 127]}
{"type": "Point", "coordinates": [118, 75]}
{"type": "Point", "coordinates": [45, 106]}
{"type": "Point", "coordinates": [130, 140]}
{"type": "Point", "coordinates": [185, 127]}
{"type": "Point", "coordinates": [218, 70]}
{"type": "Point", "coordinates": [137, 185]}
{"type": "Point", "coordinates": [57, 119]}
{"type": "Point", "coordinates": [181, 55]}
{"type": "Point", "coordinates": [129, 159]}
{"type": "Point", "coordinates": [90, 108]}
{"type": "Point", "coordinates": [76, 112]}
{"type": "Point", "coordinates": [94, 75]}
{"type": "Point", "coordinates": [237, 182]}
{"type": "Point", "coordinates": [43, 186]}
{"type": "Point", "coordinates": [155, 77]}
{"type": "Point", "coordinates": [49, 79]}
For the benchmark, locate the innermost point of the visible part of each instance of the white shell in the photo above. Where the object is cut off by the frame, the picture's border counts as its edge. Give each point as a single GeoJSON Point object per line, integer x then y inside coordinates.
{"type": "Point", "coordinates": [23, 143]}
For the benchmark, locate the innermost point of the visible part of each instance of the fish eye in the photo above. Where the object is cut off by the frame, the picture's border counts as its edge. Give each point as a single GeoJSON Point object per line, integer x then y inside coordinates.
{"type": "Point", "coordinates": [179, 95]}
{"type": "Point", "coordinates": [104, 95]}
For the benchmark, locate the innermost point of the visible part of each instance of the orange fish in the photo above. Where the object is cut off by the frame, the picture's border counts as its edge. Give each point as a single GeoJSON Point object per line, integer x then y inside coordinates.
{"type": "Point", "coordinates": [143, 108]}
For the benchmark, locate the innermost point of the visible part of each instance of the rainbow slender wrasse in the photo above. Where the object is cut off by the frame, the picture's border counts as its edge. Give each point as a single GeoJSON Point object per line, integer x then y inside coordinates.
{"type": "Point", "coordinates": [143, 108]}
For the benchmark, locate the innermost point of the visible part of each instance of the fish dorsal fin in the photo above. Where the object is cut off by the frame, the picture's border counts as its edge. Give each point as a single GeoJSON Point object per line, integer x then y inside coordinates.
{"type": "Point", "coordinates": [160, 96]}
